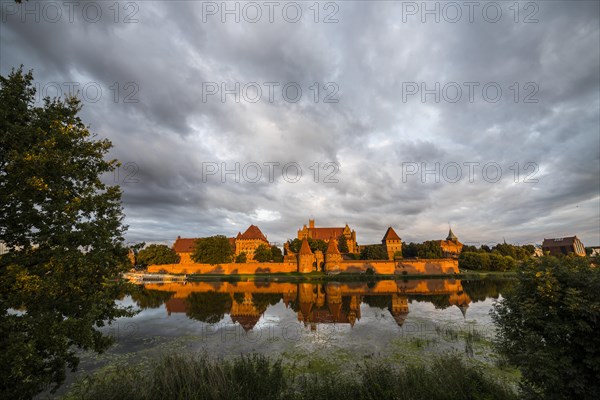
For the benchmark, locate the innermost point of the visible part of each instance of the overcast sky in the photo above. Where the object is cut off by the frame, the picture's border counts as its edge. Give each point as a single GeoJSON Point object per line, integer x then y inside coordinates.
{"type": "Point", "coordinates": [500, 105]}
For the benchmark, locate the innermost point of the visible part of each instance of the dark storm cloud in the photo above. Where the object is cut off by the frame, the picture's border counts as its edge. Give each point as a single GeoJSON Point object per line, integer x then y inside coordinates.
{"type": "Point", "coordinates": [371, 54]}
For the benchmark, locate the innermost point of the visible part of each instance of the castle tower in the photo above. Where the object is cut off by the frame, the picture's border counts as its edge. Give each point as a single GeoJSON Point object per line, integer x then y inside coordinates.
{"type": "Point", "coordinates": [333, 258]}
{"type": "Point", "coordinates": [392, 243]}
{"type": "Point", "coordinates": [311, 223]}
{"type": "Point", "coordinates": [305, 258]}
{"type": "Point", "coordinates": [452, 237]}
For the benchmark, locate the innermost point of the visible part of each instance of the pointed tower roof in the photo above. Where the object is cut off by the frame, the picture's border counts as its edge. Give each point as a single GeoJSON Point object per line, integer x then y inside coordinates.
{"type": "Point", "coordinates": [451, 235]}
{"type": "Point", "coordinates": [305, 248]}
{"type": "Point", "coordinates": [390, 234]}
{"type": "Point", "coordinates": [332, 247]}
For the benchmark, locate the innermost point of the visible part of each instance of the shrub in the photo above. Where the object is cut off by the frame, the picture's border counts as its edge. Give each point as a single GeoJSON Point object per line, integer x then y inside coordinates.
{"type": "Point", "coordinates": [548, 327]}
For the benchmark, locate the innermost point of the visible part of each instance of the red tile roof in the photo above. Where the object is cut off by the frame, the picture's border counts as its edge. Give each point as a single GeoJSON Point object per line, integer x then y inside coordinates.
{"type": "Point", "coordinates": [390, 234]}
{"type": "Point", "coordinates": [184, 245]}
{"type": "Point", "coordinates": [324, 233]}
{"type": "Point", "coordinates": [253, 233]}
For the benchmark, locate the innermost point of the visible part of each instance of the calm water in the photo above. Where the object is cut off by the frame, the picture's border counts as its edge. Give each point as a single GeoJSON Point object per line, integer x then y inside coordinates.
{"type": "Point", "coordinates": [314, 326]}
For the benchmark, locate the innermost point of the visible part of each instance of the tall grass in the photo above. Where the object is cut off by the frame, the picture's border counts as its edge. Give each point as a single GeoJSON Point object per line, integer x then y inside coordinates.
{"type": "Point", "coordinates": [258, 377]}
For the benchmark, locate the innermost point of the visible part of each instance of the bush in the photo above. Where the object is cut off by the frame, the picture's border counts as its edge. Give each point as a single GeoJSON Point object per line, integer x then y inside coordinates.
{"type": "Point", "coordinates": [213, 250]}
{"type": "Point", "coordinates": [241, 258]}
{"type": "Point", "coordinates": [548, 327]}
{"type": "Point", "coordinates": [157, 254]}
{"type": "Point", "coordinates": [474, 261]}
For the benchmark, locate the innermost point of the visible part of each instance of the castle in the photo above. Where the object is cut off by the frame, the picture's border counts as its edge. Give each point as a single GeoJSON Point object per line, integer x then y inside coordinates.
{"type": "Point", "coordinates": [307, 260]}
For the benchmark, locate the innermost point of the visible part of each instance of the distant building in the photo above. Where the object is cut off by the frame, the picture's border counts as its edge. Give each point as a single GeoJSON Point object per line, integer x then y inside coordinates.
{"type": "Point", "coordinates": [3, 248]}
{"type": "Point", "coordinates": [311, 232]}
{"type": "Point", "coordinates": [451, 247]}
{"type": "Point", "coordinates": [595, 252]}
{"type": "Point", "coordinates": [566, 245]}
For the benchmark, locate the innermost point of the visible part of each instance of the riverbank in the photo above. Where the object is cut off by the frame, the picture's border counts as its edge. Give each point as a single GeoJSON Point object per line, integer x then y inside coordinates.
{"type": "Point", "coordinates": [448, 376]}
{"type": "Point", "coordinates": [140, 277]}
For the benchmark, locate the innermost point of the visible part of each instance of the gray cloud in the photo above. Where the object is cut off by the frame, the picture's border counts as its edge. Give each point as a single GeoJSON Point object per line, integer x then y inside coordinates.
{"type": "Point", "coordinates": [371, 54]}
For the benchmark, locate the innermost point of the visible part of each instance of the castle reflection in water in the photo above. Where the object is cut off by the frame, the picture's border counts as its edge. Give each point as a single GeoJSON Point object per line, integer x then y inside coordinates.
{"type": "Point", "coordinates": [314, 303]}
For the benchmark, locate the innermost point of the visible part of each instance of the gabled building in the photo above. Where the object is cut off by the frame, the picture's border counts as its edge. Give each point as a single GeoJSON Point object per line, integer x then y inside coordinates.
{"type": "Point", "coordinates": [249, 241]}
{"type": "Point", "coordinates": [312, 232]}
{"type": "Point", "coordinates": [566, 245]}
{"type": "Point", "coordinates": [451, 247]}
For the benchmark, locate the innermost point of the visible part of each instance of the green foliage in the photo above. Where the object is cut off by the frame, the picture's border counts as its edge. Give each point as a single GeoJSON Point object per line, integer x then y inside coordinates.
{"type": "Point", "coordinates": [241, 258]}
{"type": "Point", "coordinates": [212, 250]}
{"type": "Point", "coordinates": [447, 377]}
{"type": "Point", "coordinates": [63, 227]}
{"type": "Point", "coordinates": [398, 255]}
{"type": "Point", "coordinates": [517, 253]}
{"type": "Point", "coordinates": [548, 327]}
{"type": "Point", "coordinates": [374, 252]}
{"type": "Point", "coordinates": [157, 254]}
{"type": "Point", "coordinates": [277, 254]}
{"type": "Point", "coordinates": [482, 261]}
{"type": "Point", "coordinates": [474, 261]}
{"type": "Point", "coordinates": [428, 249]}
{"type": "Point", "coordinates": [263, 253]}
{"type": "Point", "coordinates": [343, 244]}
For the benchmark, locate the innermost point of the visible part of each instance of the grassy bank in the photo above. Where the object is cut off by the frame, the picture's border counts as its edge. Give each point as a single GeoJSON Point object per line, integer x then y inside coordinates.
{"type": "Point", "coordinates": [342, 277]}
{"type": "Point", "coordinates": [257, 377]}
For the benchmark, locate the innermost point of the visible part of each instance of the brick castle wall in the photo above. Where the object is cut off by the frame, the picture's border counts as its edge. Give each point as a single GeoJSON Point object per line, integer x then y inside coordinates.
{"type": "Point", "coordinates": [409, 267]}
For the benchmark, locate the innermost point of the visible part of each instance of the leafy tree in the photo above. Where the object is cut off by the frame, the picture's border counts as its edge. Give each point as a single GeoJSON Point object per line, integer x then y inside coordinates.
{"type": "Point", "coordinates": [294, 245]}
{"type": "Point", "coordinates": [343, 244]}
{"type": "Point", "coordinates": [212, 250]}
{"type": "Point", "coordinates": [374, 252]}
{"type": "Point", "coordinates": [241, 258]}
{"type": "Point", "coordinates": [63, 227]}
{"type": "Point", "coordinates": [157, 254]}
{"type": "Point", "coordinates": [469, 249]}
{"type": "Point", "coordinates": [474, 261]}
{"type": "Point", "coordinates": [548, 327]}
{"type": "Point", "coordinates": [263, 253]}
{"type": "Point", "coordinates": [428, 249]}
{"type": "Point", "coordinates": [277, 254]}
{"type": "Point", "coordinates": [398, 255]}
